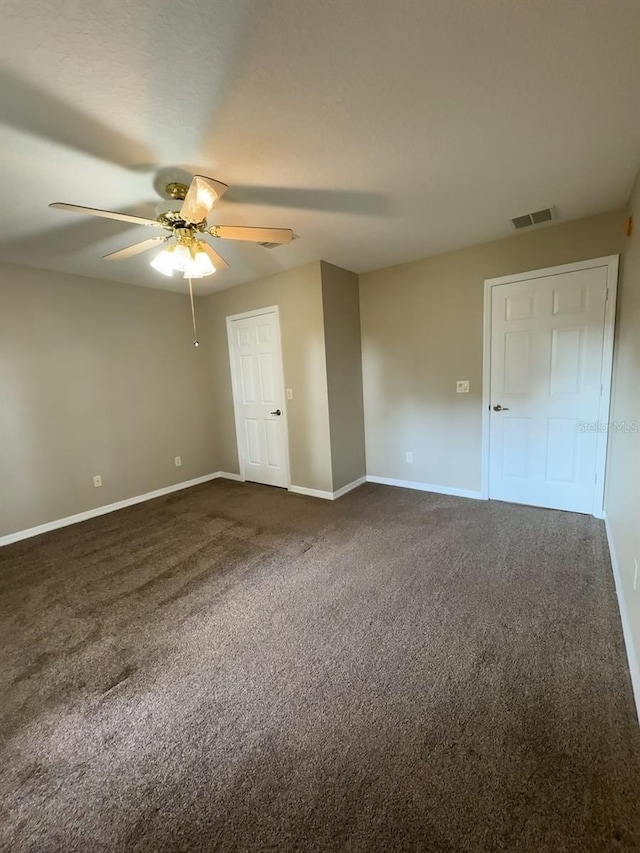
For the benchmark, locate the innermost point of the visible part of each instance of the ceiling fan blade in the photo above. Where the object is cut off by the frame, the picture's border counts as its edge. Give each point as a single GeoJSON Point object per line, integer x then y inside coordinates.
{"type": "Point", "coordinates": [202, 195]}
{"type": "Point", "coordinates": [107, 214]}
{"type": "Point", "coordinates": [130, 251]}
{"type": "Point", "coordinates": [253, 235]}
{"type": "Point", "coordinates": [217, 260]}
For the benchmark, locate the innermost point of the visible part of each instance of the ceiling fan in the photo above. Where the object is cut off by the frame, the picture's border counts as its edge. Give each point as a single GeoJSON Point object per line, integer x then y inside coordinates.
{"type": "Point", "coordinates": [184, 216]}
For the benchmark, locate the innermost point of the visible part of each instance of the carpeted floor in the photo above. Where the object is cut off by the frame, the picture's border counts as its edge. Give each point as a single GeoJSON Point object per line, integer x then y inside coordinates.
{"type": "Point", "coordinates": [234, 668]}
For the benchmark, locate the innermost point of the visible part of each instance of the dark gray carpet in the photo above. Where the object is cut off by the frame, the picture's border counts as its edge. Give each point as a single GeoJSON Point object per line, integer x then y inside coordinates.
{"type": "Point", "coordinates": [234, 668]}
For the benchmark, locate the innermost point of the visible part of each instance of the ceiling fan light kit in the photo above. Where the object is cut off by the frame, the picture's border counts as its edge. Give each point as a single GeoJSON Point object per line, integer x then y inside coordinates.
{"type": "Point", "coordinates": [163, 262]}
{"type": "Point", "coordinates": [188, 256]}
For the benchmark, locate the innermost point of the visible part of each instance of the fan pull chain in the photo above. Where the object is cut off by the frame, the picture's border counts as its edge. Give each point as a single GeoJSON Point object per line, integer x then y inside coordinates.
{"type": "Point", "coordinates": [196, 342]}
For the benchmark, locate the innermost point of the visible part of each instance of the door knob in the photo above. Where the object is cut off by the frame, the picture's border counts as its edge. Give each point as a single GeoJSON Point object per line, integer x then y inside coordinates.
{"type": "Point", "coordinates": [277, 412]}
{"type": "Point", "coordinates": [500, 408]}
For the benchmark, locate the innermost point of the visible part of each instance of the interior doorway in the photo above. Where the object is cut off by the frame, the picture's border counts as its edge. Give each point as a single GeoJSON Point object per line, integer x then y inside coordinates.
{"type": "Point", "coordinates": [547, 380]}
{"type": "Point", "coordinates": [259, 396]}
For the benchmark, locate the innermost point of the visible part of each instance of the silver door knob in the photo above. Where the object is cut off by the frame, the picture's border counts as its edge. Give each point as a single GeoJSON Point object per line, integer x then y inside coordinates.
{"type": "Point", "coordinates": [500, 408]}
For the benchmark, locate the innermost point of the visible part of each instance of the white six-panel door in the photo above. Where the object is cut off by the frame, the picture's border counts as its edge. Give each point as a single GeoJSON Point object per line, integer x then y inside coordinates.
{"type": "Point", "coordinates": [547, 346]}
{"type": "Point", "coordinates": [258, 388]}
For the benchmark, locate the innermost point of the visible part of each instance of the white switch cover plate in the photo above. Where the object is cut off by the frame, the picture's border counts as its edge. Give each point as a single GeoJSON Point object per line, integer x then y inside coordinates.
{"type": "Point", "coordinates": [409, 455]}
{"type": "Point", "coordinates": [97, 481]}
{"type": "Point", "coordinates": [462, 386]}
{"type": "Point", "coordinates": [289, 393]}
{"type": "Point", "coordinates": [178, 461]}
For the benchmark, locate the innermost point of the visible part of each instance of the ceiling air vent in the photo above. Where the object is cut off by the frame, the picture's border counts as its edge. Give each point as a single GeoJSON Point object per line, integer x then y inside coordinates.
{"type": "Point", "coordinates": [535, 218]}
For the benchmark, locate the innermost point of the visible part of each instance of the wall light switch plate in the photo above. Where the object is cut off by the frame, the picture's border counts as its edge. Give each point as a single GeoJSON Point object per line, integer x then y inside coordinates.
{"type": "Point", "coordinates": [178, 461]}
{"type": "Point", "coordinates": [409, 455]}
{"type": "Point", "coordinates": [462, 386]}
{"type": "Point", "coordinates": [97, 481]}
{"type": "Point", "coordinates": [289, 393]}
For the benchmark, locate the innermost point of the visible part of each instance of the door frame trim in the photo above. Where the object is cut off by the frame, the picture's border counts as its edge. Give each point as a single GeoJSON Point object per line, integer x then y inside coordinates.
{"type": "Point", "coordinates": [611, 262]}
{"type": "Point", "coordinates": [231, 318]}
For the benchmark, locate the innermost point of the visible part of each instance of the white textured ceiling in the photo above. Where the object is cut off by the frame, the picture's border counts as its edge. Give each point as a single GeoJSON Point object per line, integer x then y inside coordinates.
{"type": "Point", "coordinates": [379, 131]}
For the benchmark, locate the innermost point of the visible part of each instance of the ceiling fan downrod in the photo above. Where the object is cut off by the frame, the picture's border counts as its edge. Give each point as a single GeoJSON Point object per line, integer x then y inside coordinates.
{"type": "Point", "coordinates": [196, 342]}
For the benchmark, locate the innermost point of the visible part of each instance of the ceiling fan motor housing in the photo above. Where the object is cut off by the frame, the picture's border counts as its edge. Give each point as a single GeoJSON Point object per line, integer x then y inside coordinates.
{"type": "Point", "coordinates": [168, 215]}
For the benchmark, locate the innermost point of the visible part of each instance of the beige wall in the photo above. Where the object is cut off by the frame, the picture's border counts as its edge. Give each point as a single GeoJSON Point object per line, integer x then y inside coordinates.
{"type": "Point", "coordinates": [95, 378]}
{"type": "Point", "coordinates": [623, 468]}
{"type": "Point", "coordinates": [298, 294]}
{"type": "Point", "coordinates": [341, 306]}
{"type": "Point", "coordinates": [422, 326]}
{"type": "Point", "coordinates": [100, 377]}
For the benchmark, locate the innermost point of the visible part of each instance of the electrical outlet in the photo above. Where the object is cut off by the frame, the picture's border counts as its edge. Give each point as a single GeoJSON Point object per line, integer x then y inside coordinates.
{"type": "Point", "coordinates": [462, 386]}
{"type": "Point", "coordinates": [289, 393]}
{"type": "Point", "coordinates": [97, 481]}
{"type": "Point", "coordinates": [409, 455]}
{"type": "Point", "coordinates": [635, 574]}
{"type": "Point", "coordinates": [178, 461]}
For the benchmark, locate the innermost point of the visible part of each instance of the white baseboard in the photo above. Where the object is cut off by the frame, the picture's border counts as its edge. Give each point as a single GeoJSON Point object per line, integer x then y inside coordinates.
{"type": "Point", "coordinates": [312, 493]}
{"type": "Point", "coordinates": [227, 475]}
{"type": "Point", "coordinates": [426, 487]}
{"type": "Point", "coordinates": [328, 496]}
{"type": "Point", "coordinates": [103, 510]}
{"type": "Point", "coordinates": [349, 487]}
{"type": "Point", "coordinates": [632, 655]}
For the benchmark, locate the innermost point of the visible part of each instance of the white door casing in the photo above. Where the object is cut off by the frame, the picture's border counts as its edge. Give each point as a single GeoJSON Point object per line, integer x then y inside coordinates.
{"type": "Point", "coordinates": [548, 360]}
{"type": "Point", "coordinates": [259, 397]}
